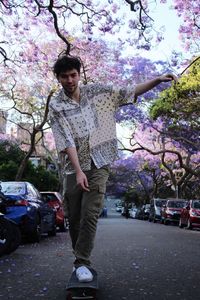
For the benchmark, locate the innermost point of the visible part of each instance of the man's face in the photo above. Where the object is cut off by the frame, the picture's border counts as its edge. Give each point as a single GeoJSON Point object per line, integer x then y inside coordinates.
{"type": "Point", "coordinates": [69, 80]}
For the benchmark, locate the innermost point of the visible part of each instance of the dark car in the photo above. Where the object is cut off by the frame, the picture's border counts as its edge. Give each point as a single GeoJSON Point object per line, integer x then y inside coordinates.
{"type": "Point", "coordinates": [155, 209]}
{"type": "Point", "coordinates": [54, 200]}
{"type": "Point", "coordinates": [143, 212]}
{"type": "Point", "coordinates": [190, 215]}
{"type": "Point", "coordinates": [171, 211]}
{"type": "Point", "coordinates": [146, 210]}
{"type": "Point", "coordinates": [10, 234]}
{"type": "Point", "coordinates": [26, 208]}
{"type": "Point", "coordinates": [139, 213]}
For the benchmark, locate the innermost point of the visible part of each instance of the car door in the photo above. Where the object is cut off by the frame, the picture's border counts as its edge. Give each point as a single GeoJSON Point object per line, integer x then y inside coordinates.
{"type": "Point", "coordinates": [32, 196]}
{"type": "Point", "coordinates": [46, 212]}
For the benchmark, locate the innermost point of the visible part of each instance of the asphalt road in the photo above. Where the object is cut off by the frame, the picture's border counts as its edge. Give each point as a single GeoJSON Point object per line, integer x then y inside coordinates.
{"type": "Point", "coordinates": [135, 260]}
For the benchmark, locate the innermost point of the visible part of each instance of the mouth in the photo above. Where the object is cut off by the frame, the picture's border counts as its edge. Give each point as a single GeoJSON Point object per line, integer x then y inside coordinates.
{"type": "Point", "coordinates": [70, 87]}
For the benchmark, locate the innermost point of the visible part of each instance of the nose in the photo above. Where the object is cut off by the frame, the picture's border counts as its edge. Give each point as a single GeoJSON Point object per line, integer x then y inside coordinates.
{"type": "Point", "coordinates": [69, 79]}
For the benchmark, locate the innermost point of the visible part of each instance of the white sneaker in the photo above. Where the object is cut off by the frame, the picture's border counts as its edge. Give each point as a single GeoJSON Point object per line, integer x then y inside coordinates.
{"type": "Point", "coordinates": [83, 274]}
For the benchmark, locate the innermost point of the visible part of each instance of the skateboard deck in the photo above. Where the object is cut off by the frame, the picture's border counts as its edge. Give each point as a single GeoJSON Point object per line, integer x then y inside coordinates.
{"type": "Point", "coordinates": [82, 290]}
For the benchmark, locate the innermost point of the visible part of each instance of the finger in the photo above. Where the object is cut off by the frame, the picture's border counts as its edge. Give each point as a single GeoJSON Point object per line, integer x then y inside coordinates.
{"type": "Point", "coordinates": [86, 186]}
{"type": "Point", "coordinates": [172, 77]}
{"type": "Point", "coordinates": [83, 186]}
{"type": "Point", "coordinates": [86, 189]}
{"type": "Point", "coordinates": [169, 77]}
{"type": "Point", "coordinates": [86, 182]}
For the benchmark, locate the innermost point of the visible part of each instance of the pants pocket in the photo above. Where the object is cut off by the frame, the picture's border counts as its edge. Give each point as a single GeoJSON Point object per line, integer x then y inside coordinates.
{"type": "Point", "coordinates": [102, 189]}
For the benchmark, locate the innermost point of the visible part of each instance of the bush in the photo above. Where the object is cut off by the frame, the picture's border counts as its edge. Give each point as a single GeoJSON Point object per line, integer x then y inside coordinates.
{"type": "Point", "coordinates": [42, 179]}
{"type": "Point", "coordinates": [10, 158]}
{"type": "Point", "coordinates": [8, 170]}
{"type": "Point", "coordinates": [10, 151]}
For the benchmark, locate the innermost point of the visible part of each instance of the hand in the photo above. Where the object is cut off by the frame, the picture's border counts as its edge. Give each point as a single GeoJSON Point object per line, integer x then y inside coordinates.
{"type": "Point", "coordinates": [82, 181]}
{"type": "Point", "coordinates": [168, 77]}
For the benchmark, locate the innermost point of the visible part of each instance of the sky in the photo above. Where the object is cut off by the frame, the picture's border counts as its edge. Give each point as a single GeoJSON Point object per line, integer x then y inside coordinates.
{"type": "Point", "coordinates": [164, 16]}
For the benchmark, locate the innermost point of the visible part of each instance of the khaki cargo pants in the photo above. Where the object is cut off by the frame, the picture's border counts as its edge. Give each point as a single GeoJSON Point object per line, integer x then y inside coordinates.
{"type": "Point", "coordinates": [83, 209]}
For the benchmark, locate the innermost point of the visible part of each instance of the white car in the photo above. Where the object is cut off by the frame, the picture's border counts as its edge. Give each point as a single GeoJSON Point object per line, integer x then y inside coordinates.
{"type": "Point", "coordinates": [133, 212]}
{"type": "Point", "coordinates": [118, 208]}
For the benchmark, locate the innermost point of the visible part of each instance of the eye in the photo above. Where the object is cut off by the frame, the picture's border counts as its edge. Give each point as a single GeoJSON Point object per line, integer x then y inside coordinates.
{"type": "Point", "coordinates": [63, 76]}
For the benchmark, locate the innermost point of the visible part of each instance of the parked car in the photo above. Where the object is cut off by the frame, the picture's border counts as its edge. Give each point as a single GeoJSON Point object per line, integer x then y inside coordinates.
{"type": "Point", "coordinates": [143, 212]}
{"type": "Point", "coordinates": [119, 208]}
{"type": "Point", "coordinates": [104, 212]}
{"type": "Point", "coordinates": [10, 234]}
{"type": "Point", "coordinates": [155, 209]}
{"type": "Point", "coordinates": [125, 212]}
{"type": "Point", "coordinates": [171, 211]}
{"type": "Point", "coordinates": [139, 213]}
{"type": "Point", "coordinates": [190, 215]}
{"type": "Point", "coordinates": [133, 212]}
{"type": "Point", "coordinates": [26, 208]}
{"type": "Point", "coordinates": [54, 200]}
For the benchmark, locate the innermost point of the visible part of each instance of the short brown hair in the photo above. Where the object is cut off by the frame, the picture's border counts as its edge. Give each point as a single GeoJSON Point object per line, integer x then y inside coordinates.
{"type": "Point", "coordinates": [66, 63]}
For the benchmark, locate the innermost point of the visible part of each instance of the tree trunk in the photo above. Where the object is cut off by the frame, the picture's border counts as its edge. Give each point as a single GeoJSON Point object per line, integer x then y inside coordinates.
{"type": "Point", "coordinates": [24, 162]}
{"type": "Point", "coordinates": [36, 129]}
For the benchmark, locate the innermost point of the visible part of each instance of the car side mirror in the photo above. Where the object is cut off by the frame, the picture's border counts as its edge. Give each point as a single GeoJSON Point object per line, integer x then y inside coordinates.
{"type": "Point", "coordinates": [188, 207]}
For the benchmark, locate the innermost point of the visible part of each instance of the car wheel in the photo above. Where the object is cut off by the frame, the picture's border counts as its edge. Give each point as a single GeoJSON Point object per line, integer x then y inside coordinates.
{"type": "Point", "coordinates": [15, 239]}
{"type": "Point", "coordinates": [35, 235]}
{"type": "Point", "coordinates": [189, 224]}
{"type": "Point", "coordinates": [180, 223]}
{"type": "Point", "coordinates": [5, 235]}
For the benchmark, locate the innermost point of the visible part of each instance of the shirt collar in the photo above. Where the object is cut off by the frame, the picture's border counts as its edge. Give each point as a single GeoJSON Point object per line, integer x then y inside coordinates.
{"type": "Point", "coordinates": [66, 98]}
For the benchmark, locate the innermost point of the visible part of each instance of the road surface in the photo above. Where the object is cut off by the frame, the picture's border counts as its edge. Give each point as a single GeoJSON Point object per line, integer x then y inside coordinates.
{"type": "Point", "coordinates": [135, 260]}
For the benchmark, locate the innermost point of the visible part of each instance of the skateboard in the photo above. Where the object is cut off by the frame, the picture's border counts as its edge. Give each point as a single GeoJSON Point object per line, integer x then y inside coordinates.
{"type": "Point", "coordinates": [82, 290]}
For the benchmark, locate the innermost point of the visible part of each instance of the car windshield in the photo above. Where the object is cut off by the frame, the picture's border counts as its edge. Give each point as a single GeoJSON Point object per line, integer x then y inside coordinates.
{"type": "Point", "coordinates": [176, 204]}
{"type": "Point", "coordinates": [196, 204]}
{"type": "Point", "coordinates": [49, 197]}
{"type": "Point", "coordinates": [12, 188]}
{"type": "Point", "coordinates": [160, 203]}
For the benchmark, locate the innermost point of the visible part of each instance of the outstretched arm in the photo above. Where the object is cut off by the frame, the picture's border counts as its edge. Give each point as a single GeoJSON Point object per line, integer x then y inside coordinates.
{"type": "Point", "coordinates": [142, 88]}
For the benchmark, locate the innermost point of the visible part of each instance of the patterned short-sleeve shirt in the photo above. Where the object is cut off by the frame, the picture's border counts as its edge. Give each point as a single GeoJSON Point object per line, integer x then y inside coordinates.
{"type": "Point", "coordinates": [89, 125]}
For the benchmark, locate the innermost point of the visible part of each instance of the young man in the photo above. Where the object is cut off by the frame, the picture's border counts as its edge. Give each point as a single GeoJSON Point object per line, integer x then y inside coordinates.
{"type": "Point", "coordinates": [84, 128]}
